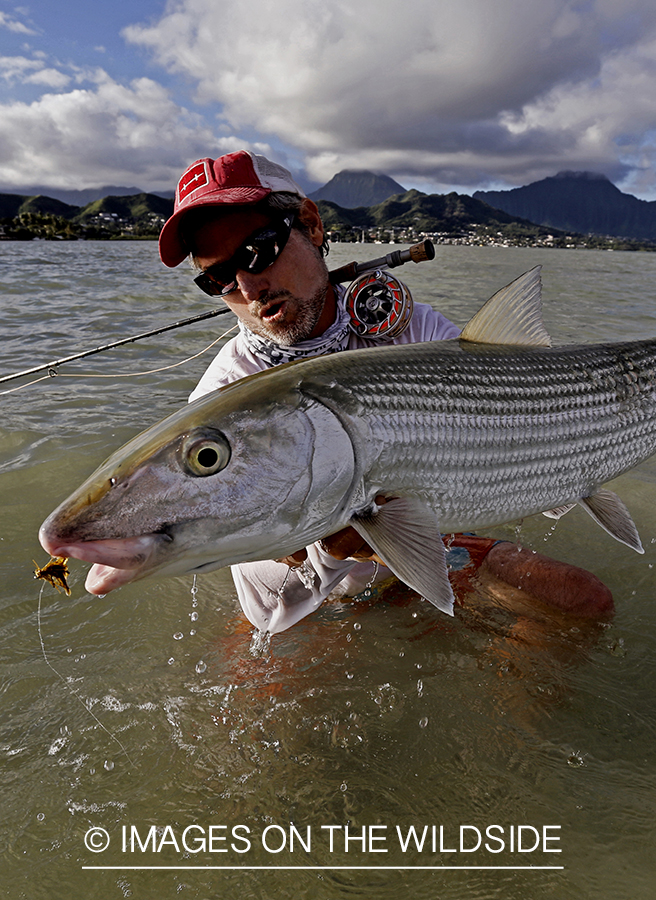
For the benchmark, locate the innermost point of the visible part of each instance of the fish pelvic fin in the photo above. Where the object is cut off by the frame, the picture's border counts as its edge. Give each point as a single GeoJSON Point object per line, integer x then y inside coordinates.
{"type": "Point", "coordinates": [511, 316]}
{"type": "Point", "coordinates": [558, 511]}
{"type": "Point", "coordinates": [404, 532]}
{"type": "Point", "coordinates": [609, 511]}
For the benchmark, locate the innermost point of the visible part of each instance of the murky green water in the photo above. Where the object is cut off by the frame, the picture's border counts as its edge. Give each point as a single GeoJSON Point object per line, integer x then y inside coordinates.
{"type": "Point", "coordinates": [155, 718]}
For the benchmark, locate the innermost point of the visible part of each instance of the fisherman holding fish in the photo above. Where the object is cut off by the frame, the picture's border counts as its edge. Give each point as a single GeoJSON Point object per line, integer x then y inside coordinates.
{"type": "Point", "coordinates": [259, 243]}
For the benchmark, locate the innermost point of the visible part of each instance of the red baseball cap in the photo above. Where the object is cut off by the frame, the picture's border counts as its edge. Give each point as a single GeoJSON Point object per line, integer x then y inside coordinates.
{"type": "Point", "coordinates": [236, 178]}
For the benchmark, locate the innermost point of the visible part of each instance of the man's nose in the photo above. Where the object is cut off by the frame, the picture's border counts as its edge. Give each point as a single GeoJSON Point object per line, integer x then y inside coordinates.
{"type": "Point", "coordinates": [252, 286]}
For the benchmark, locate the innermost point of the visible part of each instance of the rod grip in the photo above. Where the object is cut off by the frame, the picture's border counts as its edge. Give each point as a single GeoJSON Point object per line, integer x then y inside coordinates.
{"type": "Point", "coordinates": [349, 272]}
{"type": "Point", "coordinates": [422, 251]}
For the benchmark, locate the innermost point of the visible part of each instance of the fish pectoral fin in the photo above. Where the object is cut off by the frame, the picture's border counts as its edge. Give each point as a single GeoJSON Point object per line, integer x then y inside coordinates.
{"type": "Point", "coordinates": [558, 511]}
{"type": "Point", "coordinates": [511, 316]}
{"type": "Point", "coordinates": [609, 511]}
{"type": "Point", "coordinates": [404, 532]}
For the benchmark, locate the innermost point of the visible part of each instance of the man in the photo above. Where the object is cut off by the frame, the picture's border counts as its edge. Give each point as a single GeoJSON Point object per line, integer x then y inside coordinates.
{"type": "Point", "coordinates": [259, 243]}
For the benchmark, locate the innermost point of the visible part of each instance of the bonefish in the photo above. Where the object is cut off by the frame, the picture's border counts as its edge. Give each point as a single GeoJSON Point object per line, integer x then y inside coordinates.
{"type": "Point", "coordinates": [457, 435]}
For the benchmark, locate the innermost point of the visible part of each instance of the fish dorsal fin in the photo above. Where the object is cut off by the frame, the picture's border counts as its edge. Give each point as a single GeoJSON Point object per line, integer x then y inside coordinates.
{"type": "Point", "coordinates": [609, 511]}
{"type": "Point", "coordinates": [511, 316]}
{"type": "Point", "coordinates": [405, 534]}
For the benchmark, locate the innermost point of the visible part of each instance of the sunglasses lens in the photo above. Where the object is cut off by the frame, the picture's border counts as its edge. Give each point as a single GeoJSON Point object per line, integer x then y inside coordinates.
{"type": "Point", "coordinates": [257, 253]}
{"type": "Point", "coordinates": [214, 286]}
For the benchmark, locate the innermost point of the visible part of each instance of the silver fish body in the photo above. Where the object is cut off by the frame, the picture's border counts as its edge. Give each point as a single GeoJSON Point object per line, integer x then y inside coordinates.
{"type": "Point", "coordinates": [458, 435]}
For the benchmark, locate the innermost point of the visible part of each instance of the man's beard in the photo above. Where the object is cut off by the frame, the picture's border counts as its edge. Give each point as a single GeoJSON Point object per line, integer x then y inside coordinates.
{"type": "Point", "coordinates": [300, 328]}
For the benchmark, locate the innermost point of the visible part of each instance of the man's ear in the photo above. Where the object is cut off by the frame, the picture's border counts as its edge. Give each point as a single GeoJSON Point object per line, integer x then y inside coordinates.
{"type": "Point", "coordinates": [309, 216]}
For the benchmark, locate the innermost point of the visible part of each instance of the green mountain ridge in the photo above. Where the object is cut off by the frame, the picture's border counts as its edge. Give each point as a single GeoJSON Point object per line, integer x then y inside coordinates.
{"type": "Point", "coordinates": [426, 213]}
{"type": "Point", "coordinates": [585, 202]}
{"type": "Point", "coordinates": [139, 215]}
{"type": "Point", "coordinates": [403, 217]}
{"type": "Point", "coordinates": [352, 188]}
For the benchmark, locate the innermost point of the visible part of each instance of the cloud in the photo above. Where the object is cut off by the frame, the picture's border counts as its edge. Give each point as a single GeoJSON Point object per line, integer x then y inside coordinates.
{"type": "Point", "coordinates": [18, 67]}
{"type": "Point", "coordinates": [108, 133]}
{"type": "Point", "coordinates": [455, 92]}
{"type": "Point", "coordinates": [14, 25]}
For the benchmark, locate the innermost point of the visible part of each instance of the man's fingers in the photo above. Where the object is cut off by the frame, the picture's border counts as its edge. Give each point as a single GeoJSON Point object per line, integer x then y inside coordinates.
{"type": "Point", "coordinates": [346, 543]}
{"type": "Point", "coordinates": [294, 559]}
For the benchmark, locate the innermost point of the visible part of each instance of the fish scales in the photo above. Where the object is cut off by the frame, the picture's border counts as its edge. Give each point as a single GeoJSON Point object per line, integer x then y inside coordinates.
{"type": "Point", "coordinates": [476, 436]}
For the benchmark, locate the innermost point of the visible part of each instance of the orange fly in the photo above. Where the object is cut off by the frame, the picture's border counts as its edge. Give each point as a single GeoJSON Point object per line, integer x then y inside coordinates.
{"type": "Point", "coordinates": [54, 572]}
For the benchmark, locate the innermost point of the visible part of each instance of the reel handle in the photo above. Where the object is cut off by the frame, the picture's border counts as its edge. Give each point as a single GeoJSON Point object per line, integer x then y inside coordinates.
{"type": "Point", "coordinates": [417, 253]}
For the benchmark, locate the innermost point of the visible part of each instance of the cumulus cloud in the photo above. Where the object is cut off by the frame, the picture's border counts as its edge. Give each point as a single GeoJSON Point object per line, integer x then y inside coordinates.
{"type": "Point", "coordinates": [101, 134]}
{"type": "Point", "coordinates": [461, 93]}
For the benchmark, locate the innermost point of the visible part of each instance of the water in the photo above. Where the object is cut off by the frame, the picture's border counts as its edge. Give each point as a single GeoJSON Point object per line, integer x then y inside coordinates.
{"type": "Point", "coordinates": [372, 715]}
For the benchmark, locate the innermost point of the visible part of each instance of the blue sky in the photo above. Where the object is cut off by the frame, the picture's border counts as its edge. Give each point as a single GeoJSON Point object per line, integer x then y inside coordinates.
{"type": "Point", "coordinates": [439, 94]}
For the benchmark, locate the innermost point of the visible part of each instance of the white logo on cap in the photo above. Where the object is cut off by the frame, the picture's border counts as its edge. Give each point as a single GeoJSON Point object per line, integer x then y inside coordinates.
{"type": "Point", "coordinates": [195, 177]}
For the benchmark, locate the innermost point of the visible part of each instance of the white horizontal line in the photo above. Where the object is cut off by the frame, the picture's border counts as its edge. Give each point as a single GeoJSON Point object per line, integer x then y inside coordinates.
{"type": "Point", "coordinates": [363, 868]}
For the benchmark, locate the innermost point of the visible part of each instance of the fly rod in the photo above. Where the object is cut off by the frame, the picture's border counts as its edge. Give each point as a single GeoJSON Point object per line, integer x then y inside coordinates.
{"type": "Point", "coordinates": [417, 253]}
{"type": "Point", "coordinates": [137, 337]}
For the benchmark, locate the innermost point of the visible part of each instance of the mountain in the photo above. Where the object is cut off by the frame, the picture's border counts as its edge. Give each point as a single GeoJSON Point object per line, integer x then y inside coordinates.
{"type": "Point", "coordinates": [352, 188]}
{"type": "Point", "coordinates": [80, 197]}
{"type": "Point", "coordinates": [431, 213]}
{"type": "Point", "coordinates": [12, 205]}
{"type": "Point", "coordinates": [138, 207]}
{"type": "Point", "coordinates": [584, 202]}
{"type": "Point", "coordinates": [139, 215]}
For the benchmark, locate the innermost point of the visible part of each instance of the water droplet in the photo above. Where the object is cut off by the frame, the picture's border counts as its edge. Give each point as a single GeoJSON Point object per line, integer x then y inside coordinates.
{"type": "Point", "coordinates": [349, 675]}
{"type": "Point", "coordinates": [171, 661]}
{"type": "Point", "coordinates": [618, 648]}
{"type": "Point", "coordinates": [193, 616]}
{"type": "Point", "coordinates": [357, 626]}
{"type": "Point", "coordinates": [192, 632]}
{"type": "Point", "coordinates": [576, 759]}
{"type": "Point", "coordinates": [178, 636]}
{"type": "Point", "coordinates": [40, 817]}
{"type": "Point", "coordinates": [108, 765]}
{"type": "Point", "coordinates": [423, 722]}
{"type": "Point", "coordinates": [420, 687]}
{"type": "Point", "coordinates": [343, 787]}
{"type": "Point", "coordinates": [201, 667]}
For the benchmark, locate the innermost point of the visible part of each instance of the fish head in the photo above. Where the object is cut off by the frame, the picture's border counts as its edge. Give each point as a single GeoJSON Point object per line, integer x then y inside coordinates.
{"type": "Point", "coordinates": [255, 470]}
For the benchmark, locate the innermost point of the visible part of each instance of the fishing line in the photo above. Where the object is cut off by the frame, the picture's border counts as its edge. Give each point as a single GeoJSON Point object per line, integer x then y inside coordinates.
{"type": "Point", "coordinates": [27, 384]}
{"type": "Point", "coordinates": [149, 371]}
{"type": "Point", "coordinates": [68, 686]}
{"type": "Point", "coordinates": [54, 374]}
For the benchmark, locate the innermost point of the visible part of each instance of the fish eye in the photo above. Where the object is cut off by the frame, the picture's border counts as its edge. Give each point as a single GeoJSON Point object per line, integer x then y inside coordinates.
{"type": "Point", "coordinates": [205, 453]}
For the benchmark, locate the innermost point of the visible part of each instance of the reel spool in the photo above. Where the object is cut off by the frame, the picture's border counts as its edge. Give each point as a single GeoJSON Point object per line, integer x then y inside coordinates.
{"type": "Point", "coordinates": [379, 305]}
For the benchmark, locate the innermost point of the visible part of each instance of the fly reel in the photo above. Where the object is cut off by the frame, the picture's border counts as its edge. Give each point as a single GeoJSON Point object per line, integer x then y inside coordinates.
{"type": "Point", "coordinates": [379, 305]}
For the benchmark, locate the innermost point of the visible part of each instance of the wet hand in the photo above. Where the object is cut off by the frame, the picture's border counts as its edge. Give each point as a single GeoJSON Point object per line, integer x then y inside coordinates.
{"type": "Point", "coordinates": [348, 543]}
{"type": "Point", "coordinates": [294, 560]}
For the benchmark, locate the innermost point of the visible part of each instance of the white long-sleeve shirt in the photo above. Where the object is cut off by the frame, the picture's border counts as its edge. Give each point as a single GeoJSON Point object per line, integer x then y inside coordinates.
{"type": "Point", "coordinates": [272, 596]}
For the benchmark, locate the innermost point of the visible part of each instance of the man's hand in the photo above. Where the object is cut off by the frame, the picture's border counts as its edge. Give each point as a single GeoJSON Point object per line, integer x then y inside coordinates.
{"type": "Point", "coordinates": [347, 543]}
{"type": "Point", "coordinates": [294, 560]}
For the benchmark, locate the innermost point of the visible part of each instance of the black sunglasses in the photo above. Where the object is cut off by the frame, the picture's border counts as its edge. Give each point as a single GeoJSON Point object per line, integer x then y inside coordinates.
{"type": "Point", "coordinates": [256, 254]}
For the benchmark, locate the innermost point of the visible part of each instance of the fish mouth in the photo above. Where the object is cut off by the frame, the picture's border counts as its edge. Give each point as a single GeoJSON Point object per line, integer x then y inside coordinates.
{"type": "Point", "coordinates": [117, 561]}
